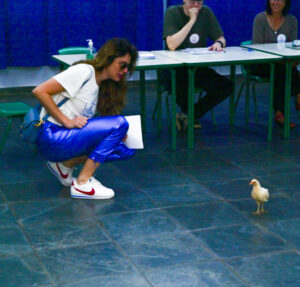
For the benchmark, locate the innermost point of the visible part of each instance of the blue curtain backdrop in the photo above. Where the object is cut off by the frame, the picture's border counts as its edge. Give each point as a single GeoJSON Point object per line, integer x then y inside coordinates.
{"type": "Point", "coordinates": [33, 30]}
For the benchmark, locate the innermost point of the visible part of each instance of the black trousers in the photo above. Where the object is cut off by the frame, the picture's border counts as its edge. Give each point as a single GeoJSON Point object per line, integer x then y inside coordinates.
{"type": "Point", "coordinates": [263, 70]}
{"type": "Point", "coordinates": [216, 86]}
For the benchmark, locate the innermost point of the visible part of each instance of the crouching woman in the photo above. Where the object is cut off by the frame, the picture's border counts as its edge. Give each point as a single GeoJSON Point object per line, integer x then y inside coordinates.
{"type": "Point", "coordinates": [72, 135]}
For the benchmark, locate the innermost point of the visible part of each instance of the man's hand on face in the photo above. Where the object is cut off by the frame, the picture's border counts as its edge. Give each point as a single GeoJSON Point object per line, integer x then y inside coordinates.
{"type": "Point", "coordinates": [193, 13]}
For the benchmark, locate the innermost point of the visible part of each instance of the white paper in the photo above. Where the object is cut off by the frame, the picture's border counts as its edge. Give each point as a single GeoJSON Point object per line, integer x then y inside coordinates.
{"type": "Point", "coordinates": [146, 55]}
{"type": "Point", "coordinates": [200, 51]}
{"type": "Point", "coordinates": [134, 135]}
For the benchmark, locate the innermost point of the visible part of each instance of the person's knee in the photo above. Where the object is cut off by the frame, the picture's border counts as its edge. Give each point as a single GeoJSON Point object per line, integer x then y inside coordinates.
{"type": "Point", "coordinates": [227, 88]}
{"type": "Point", "coordinates": [121, 123]}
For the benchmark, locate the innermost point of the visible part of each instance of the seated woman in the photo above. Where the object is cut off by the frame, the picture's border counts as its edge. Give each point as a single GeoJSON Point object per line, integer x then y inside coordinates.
{"type": "Point", "coordinates": [71, 135]}
{"type": "Point", "coordinates": [267, 26]}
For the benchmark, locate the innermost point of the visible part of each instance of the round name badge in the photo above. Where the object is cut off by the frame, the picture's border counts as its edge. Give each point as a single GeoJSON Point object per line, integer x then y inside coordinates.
{"type": "Point", "coordinates": [281, 38]}
{"type": "Point", "coordinates": [194, 38]}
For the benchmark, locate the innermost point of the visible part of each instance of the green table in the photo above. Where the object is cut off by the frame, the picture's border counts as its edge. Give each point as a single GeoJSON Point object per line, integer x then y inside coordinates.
{"type": "Point", "coordinates": [289, 56]}
{"type": "Point", "coordinates": [158, 63]}
{"type": "Point", "coordinates": [233, 56]}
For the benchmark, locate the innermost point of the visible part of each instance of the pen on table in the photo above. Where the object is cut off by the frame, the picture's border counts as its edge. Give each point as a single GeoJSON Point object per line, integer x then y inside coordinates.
{"type": "Point", "coordinates": [248, 49]}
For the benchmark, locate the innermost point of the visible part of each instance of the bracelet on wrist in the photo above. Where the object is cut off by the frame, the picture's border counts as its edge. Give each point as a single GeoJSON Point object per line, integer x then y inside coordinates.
{"type": "Point", "coordinates": [220, 42]}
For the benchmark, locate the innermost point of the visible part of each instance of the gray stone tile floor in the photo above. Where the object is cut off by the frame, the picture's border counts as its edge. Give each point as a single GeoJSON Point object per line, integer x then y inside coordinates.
{"type": "Point", "coordinates": [179, 218]}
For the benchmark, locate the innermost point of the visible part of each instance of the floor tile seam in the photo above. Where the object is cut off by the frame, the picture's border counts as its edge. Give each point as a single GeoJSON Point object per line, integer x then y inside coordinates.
{"type": "Point", "coordinates": [216, 227]}
{"type": "Point", "coordinates": [99, 217]}
{"type": "Point", "coordinates": [41, 250]}
{"type": "Point", "coordinates": [181, 264]}
{"type": "Point", "coordinates": [212, 201]}
{"type": "Point", "coordinates": [289, 245]}
{"type": "Point", "coordinates": [35, 253]}
{"type": "Point", "coordinates": [195, 180]}
{"type": "Point", "coordinates": [244, 199]}
{"type": "Point", "coordinates": [182, 228]}
{"type": "Point", "coordinates": [123, 252]}
{"type": "Point", "coordinates": [261, 255]}
{"type": "Point", "coordinates": [4, 198]}
{"type": "Point", "coordinates": [20, 221]}
{"type": "Point", "coordinates": [237, 274]}
{"type": "Point", "coordinates": [97, 278]}
{"type": "Point", "coordinates": [150, 198]}
{"type": "Point", "coordinates": [53, 199]}
{"type": "Point", "coordinates": [215, 201]}
{"type": "Point", "coordinates": [252, 173]}
{"type": "Point", "coordinates": [287, 242]}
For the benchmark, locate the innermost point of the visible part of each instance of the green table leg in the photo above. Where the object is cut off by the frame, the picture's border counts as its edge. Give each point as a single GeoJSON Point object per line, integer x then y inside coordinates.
{"type": "Point", "coordinates": [271, 99]}
{"type": "Point", "coordinates": [158, 91]}
{"type": "Point", "coordinates": [7, 130]}
{"type": "Point", "coordinates": [191, 108]}
{"type": "Point", "coordinates": [288, 72]}
{"type": "Point", "coordinates": [231, 99]}
{"type": "Point", "coordinates": [173, 73]}
{"type": "Point", "coordinates": [143, 99]}
{"type": "Point", "coordinates": [247, 99]}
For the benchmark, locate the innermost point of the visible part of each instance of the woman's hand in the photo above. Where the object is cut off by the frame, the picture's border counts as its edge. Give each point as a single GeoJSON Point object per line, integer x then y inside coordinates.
{"type": "Point", "coordinates": [78, 122]}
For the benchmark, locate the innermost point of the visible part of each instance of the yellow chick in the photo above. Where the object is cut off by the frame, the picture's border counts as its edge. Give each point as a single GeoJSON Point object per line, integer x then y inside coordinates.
{"type": "Point", "coordinates": [260, 195]}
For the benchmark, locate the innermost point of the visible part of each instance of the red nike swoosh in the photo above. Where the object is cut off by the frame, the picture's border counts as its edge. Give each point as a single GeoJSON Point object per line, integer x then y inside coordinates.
{"type": "Point", "coordinates": [92, 192]}
{"type": "Point", "coordinates": [61, 173]}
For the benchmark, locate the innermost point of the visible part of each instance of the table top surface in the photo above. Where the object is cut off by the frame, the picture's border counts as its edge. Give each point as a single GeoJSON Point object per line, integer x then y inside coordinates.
{"type": "Point", "coordinates": [158, 62]}
{"type": "Point", "coordinates": [231, 55]}
{"type": "Point", "coordinates": [280, 49]}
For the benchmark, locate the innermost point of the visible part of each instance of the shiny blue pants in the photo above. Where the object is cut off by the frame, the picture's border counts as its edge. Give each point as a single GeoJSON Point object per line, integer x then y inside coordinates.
{"type": "Point", "coordinates": [100, 139]}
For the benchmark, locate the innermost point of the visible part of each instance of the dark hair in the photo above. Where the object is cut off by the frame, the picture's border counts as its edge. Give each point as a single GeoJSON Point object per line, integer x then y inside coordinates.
{"type": "Point", "coordinates": [112, 94]}
{"type": "Point", "coordinates": [285, 9]}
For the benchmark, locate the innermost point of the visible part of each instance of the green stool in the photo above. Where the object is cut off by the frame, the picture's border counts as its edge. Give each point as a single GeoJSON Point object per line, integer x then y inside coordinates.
{"type": "Point", "coordinates": [10, 111]}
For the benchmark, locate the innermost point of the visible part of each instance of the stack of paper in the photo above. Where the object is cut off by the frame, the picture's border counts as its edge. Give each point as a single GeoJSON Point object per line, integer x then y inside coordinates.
{"type": "Point", "coordinates": [146, 55]}
{"type": "Point", "coordinates": [199, 51]}
{"type": "Point", "coordinates": [134, 134]}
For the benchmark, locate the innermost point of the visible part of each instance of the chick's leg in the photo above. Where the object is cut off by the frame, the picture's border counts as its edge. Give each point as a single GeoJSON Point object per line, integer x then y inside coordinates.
{"type": "Point", "coordinates": [258, 208]}
{"type": "Point", "coordinates": [262, 209]}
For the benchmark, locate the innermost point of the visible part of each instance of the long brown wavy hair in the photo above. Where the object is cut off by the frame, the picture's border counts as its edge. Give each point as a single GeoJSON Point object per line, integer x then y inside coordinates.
{"type": "Point", "coordinates": [112, 94]}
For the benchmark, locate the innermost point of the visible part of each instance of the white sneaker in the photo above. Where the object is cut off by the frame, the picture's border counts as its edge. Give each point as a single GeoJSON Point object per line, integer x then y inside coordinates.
{"type": "Point", "coordinates": [63, 173]}
{"type": "Point", "coordinates": [93, 189]}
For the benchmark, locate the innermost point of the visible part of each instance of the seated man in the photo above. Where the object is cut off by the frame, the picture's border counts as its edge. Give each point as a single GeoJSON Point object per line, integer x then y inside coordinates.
{"type": "Point", "coordinates": [188, 26]}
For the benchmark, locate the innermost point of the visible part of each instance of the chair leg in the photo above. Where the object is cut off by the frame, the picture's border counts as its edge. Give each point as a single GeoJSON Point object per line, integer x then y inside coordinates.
{"type": "Point", "coordinates": [8, 128]}
{"type": "Point", "coordinates": [213, 117]}
{"type": "Point", "coordinates": [239, 95]}
{"type": "Point", "coordinates": [247, 100]}
{"type": "Point", "coordinates": [168, 111]}
{"type": "Point", "coordinates": [155, 109]}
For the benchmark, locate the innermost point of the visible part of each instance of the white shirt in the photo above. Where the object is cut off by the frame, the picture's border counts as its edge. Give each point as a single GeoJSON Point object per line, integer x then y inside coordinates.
{"type": "Point", "coordinates": [80, 86]}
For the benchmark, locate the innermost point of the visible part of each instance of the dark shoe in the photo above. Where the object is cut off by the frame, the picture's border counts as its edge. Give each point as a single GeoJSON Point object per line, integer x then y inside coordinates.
{"type": "Point", "coordinates": [279, 120]}
{"type": "Point", "coordinates": [182, 122]}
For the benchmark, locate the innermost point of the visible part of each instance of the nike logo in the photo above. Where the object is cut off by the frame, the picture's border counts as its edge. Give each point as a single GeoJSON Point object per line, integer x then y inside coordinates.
{"type": "Point", "coordinates": [92, 192]}
{"type": "Point", "coordinates": [61, 173]}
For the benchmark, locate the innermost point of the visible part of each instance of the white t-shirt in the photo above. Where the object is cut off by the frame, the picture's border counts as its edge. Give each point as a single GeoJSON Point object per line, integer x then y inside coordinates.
{"type": "Point", "coordinates": [80, 86]}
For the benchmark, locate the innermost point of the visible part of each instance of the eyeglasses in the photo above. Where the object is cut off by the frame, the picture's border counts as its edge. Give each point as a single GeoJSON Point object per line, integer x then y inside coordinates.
{"type": "Point", "coordinates": [195, 2]}
{"type": "Point", "coordinates": [124, 66]}
{"type": "Point", "coordinates": [278, 1]}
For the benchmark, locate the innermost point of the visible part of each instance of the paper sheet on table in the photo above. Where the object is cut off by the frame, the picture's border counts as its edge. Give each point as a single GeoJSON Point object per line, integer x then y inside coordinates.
{"type": "Point", "coordinates": [200, 51]}
{"type": "Point", "coordinates": [134, 135]}
{"type": "Point", "coordinates": [146, 55]}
